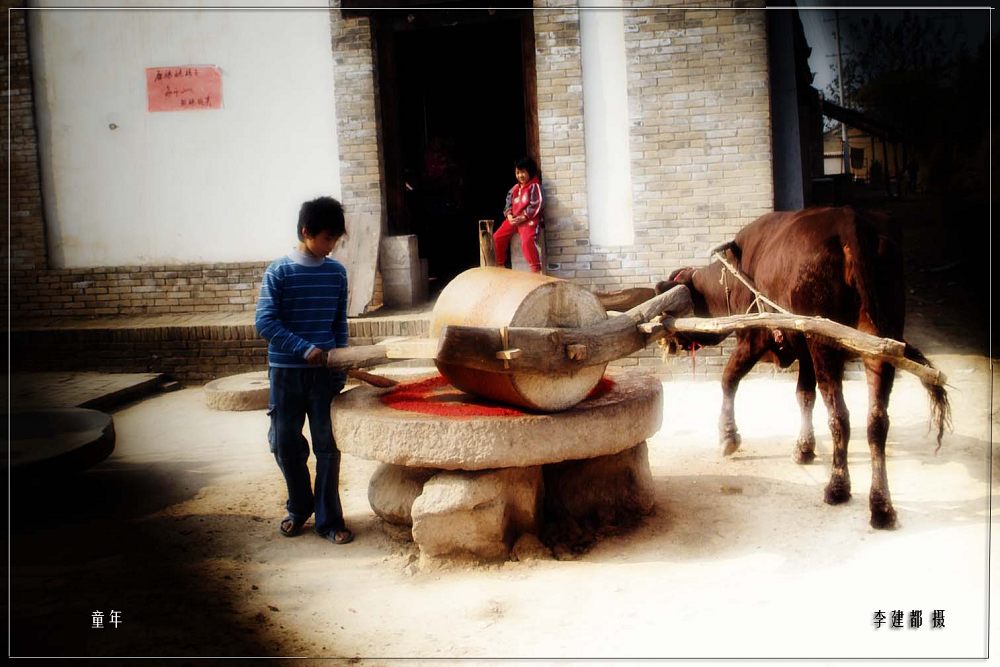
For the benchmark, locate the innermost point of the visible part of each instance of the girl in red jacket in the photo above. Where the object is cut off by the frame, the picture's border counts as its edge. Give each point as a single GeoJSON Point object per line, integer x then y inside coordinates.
{"type": "Point", "coordinates": [522, 214]}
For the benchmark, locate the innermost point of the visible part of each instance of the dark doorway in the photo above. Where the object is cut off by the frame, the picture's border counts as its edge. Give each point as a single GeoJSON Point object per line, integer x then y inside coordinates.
{"type": "Point", "coordinates": [454, 118]}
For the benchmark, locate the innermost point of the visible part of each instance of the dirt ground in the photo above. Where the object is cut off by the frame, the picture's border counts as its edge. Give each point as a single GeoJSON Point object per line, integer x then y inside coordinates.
{"type": "Point", "coordinates": [177, 530]}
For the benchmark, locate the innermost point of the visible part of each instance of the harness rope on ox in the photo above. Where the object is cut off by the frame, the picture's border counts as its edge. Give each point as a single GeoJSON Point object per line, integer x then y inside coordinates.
{"type": "Point", "coordinates": [758, 296]}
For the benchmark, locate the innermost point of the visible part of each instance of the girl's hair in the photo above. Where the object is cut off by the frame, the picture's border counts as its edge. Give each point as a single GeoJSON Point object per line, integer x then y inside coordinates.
{"type": "Point", "coordinates": [528, 165]}
{"type": "Point", "coordinates": [321, 214]}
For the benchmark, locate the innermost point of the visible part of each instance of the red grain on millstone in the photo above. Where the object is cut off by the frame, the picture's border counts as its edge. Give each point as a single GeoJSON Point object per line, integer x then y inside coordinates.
{"type": "Point", "coordinates": [426, 397]}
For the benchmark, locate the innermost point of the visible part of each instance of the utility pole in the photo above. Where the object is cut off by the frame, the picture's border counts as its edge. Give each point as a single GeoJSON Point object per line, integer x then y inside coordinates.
{"type": "Point", "coordinates": [840, 85]}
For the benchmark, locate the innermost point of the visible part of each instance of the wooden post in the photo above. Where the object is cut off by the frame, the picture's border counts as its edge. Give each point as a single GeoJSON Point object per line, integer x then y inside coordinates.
{"type": "Point", "coordinates": [487, 256]}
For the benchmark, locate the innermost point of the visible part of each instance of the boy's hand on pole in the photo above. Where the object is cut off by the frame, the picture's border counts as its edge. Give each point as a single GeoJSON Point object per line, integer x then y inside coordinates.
{"type": "Point", "coordinates": [316, 357]}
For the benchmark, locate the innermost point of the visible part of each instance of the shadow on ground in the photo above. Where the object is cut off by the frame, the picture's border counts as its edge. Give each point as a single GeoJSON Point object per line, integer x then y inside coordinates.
{"type": "Point", "coordinates": [97, 542]}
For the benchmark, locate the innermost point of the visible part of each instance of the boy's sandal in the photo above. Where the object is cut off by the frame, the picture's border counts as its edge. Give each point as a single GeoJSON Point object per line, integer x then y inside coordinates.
{"type": "Point", "coordinates": [340, 536]}
{"type": "Point", "coordinates": [290, 526]}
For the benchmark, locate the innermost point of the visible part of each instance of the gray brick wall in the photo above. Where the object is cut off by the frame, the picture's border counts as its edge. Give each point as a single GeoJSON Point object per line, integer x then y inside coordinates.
{"type": "Point", "coordinates": [699, 138]}
{"type": "Point", "coordinates": [358, 131]}
{"type": "Point", "coordinates": [26, 242]}
{"type": "Point", "coordinates": [139, 290]}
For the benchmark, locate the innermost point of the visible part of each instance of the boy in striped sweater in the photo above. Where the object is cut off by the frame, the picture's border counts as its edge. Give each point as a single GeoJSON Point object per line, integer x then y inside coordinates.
{"type": "Point", "coordinates": [302, 313]}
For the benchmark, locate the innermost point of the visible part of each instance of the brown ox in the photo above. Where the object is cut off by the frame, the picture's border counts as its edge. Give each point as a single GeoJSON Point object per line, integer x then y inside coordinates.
{"type": "Point", "coordinates": [829, 262]}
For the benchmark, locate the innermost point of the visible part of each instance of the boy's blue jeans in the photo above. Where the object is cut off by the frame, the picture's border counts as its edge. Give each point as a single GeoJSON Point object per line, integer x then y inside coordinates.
{"type": "Point", "coordinates": [296, 393]}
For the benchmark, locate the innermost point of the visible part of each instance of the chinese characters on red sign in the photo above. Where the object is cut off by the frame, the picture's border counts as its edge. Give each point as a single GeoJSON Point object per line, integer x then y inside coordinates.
{"type": "Point", "coordinates": [187, 88]}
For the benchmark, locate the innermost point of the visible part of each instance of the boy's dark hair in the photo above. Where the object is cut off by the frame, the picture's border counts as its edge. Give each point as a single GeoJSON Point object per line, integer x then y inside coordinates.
{"type": "Point", "coordinates": [323, 214]}
{"type": "Point", "coordinates": [528, 165]}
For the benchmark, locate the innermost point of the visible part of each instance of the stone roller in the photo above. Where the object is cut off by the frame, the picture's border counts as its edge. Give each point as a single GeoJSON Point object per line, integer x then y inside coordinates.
{"type": "Point", "coordinates": [500, 298]}
{"type": "Point", "coordinates": [525, 339]}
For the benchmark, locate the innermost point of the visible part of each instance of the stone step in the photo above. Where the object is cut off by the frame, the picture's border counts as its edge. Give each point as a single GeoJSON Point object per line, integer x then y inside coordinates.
{"type": "Point", "coordinates": [194, 348]}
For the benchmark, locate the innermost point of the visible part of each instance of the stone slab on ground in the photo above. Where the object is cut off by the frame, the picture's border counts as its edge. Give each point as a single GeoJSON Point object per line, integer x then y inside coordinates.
{"type": "Point", "coordinates": [97, 391]}
{"type": "Point", "coordinates": [246, 391]}
{"type": "Point", "coordinates": [49, 441]}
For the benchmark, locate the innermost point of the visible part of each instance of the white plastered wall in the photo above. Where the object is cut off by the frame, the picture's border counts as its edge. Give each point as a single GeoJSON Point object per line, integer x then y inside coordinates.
{"type": "Point", "coordinates": [125, 186]}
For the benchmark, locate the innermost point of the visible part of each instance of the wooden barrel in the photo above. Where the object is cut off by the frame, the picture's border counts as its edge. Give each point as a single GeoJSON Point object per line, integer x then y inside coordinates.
{"type": "Point", "coordinates": [496, 297]}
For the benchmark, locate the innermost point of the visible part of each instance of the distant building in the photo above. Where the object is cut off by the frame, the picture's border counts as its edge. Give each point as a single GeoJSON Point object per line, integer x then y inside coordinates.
{"type": "Point", "coordinates": [874, 154]}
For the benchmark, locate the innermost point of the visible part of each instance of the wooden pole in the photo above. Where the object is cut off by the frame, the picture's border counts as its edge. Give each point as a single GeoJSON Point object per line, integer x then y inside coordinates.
{"type": "Point", "coordinates": [364, 356]}
{"type": "Point", "coordinates": [838, 334]}
{"type": "Point", "coordinates": [889, 350]}
{"type": "Point", "coordinates": [622, 300]}
{"type": "Point", "coordinates": [563, 350]}
{"type": "Point", "coordinates": [372, 379]}
{"type": "Point", "coordinates": [487, 255]}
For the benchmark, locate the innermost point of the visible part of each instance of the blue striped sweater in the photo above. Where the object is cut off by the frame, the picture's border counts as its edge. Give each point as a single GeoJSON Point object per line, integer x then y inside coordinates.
{"type": "Point", "coordinates": [302, 304]}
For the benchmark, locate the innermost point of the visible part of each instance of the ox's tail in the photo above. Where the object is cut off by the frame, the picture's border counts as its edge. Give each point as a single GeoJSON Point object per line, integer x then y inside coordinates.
{"type": "Point", "coordinates": [940, 406]}
{"type": "Point", "coordinates": [874, 267]}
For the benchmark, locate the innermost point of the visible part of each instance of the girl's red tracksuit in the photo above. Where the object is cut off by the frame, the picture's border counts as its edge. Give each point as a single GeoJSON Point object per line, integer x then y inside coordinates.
{"type": "Point", "coordinates": [527, 200]}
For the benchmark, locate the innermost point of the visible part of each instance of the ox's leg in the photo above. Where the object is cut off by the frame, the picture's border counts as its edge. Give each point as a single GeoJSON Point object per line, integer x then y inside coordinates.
{"type": "Point", "coordinates": [746, 354]}
{"type": "Point", "coordinates": [805, 392]}
{"type": "Point", "coordinates": [880, 379]}
{"type": "Point", "coordinates": [829, 365]}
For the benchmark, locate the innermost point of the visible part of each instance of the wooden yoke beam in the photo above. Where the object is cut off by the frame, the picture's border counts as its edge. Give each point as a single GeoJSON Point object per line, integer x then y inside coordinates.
{"type": "Point", "coordinates": [564, 350]}
{"type": "Point", "coordinates": [557, 350]}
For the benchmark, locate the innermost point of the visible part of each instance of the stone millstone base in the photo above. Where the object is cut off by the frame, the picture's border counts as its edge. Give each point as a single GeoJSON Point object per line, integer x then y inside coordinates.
{"type": "Point", "coordinates": [629, 413]}
{"type": "Point", "coordinates": [476, 515]}
{"type": "Point", "coordinates": [247, 391]}
{"type": "Point", "coordinates": [471, 486]}
{"type": "Point", "coordinates": [479, 515]}
{"type": "Point", "coordinates": [392, 490]}
{"type": "Point", "coordinates": [601, 495]}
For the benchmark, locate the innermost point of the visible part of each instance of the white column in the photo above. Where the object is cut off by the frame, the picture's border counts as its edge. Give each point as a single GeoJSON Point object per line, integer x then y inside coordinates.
{"type": "Point", "coordinates": [605, 122]}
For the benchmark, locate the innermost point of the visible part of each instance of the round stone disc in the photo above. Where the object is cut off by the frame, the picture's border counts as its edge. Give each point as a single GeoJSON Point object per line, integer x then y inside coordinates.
{"type": "Point", "coordinates": [607, 424]}
{"type": "Point", "coordinates": [247, 391]}
{"type": "Point", "coordinates": [59, 439]}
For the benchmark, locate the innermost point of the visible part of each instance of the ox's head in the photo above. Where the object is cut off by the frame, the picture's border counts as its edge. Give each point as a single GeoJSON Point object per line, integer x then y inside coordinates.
{"type": "Point", "coordinates": [686, 277]}
{"type": "Point", "coordinates": [690, 277]}
{"type": "Point", "coordinates": [683, 276]}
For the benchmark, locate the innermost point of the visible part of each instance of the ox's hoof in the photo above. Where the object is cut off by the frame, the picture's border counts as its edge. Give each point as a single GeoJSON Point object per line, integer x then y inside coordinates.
{"type": "Point", "coordinates": [802, 457]}
{"type": "Point", "coordinates": [884, 520]}
{"type": "Point", "coordinates": [837, 492]}
{"type": "Point", "coordinates": [883, 515]}
{"type": "Point", "coordinates": [805, 451]}
{"type": "Point", "coordinates": [730, 443]}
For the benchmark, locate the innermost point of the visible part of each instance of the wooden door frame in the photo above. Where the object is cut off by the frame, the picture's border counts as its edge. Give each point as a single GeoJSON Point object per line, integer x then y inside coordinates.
{"type": "Point", "coordinates": [384, 25]}
{"type": "Point", "coordinates": [530, 70]}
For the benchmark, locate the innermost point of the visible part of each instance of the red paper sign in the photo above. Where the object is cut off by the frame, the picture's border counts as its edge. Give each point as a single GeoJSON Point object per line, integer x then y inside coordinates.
{"type": "Point", "coordinates": [184, 88]}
